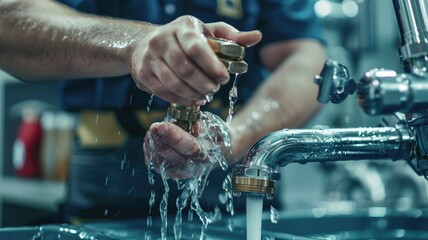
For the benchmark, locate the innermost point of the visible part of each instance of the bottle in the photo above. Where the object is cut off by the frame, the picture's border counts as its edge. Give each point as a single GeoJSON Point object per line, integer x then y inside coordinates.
{"type": "Point", "coordinates": [26, 148]}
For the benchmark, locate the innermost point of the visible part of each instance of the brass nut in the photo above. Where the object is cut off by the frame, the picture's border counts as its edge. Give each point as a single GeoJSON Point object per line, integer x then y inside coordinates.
{"type": "Point", "coordinates": [183, 113]}
{"type": "Point", "coordinates": [235, 67]}
{"type": "Point", "coordinates": [226, 48]}
{"type": "Point", "coordinates": [253, 185]}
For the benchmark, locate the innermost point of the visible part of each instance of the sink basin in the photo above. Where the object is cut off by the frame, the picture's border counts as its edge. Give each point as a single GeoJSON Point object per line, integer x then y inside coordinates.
{"type": "Point", "coordinates": [129, 230]}
{"type": "Point", "coordinates": [373, 223]}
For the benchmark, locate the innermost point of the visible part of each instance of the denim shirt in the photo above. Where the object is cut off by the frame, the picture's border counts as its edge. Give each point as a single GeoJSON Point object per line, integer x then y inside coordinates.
{"type": "Point", "coordinates": [278, 20]}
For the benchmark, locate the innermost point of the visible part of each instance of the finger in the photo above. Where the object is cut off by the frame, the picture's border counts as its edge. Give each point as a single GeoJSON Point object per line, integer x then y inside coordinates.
{"type": "Point", "coordinates": [247, 39]}
{"type": "Point", "coordinates": [163, 92]}
{"type": "Point", "coordinates": [163, 71]}
{"type": "Point", "coordinates": [178, 139]}
{"type": "Point", "coordinates": [226, 31]}
{"type": "Point", "coordinates": [183, 70]}
{"type": "Point", "coordinates": [196, 48]}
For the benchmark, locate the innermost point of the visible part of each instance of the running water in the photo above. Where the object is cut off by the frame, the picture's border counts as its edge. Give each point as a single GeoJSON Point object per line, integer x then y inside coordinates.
{"type": "Point", "coordinates": [164, 203]}
{"type": "Point", "coordinates": [148, 233]}
{"type": "Point", "coordinates": [211, 127]}
{"type": "Point", "coordinates": [181, 203]}
{"type": "Point", "coordinates": [274, 215]}
{"type": "Point", "coordinates": [233, 97]}
{"type": "Point", "coordinates": [149, 104]}
{"type": "Point", "coordinates": [254, 217]}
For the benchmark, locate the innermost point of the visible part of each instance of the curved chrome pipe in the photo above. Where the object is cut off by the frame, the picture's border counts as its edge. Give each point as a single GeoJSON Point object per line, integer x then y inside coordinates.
{"type": "Point", "coordinates": [259, 171]}
{"type": "Point", "coordinates": [319, 145]}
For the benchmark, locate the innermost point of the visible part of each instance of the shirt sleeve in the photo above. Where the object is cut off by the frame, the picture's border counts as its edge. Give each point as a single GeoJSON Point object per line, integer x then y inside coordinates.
{"type": "Point", "coordinates": [289, 19]}
{"type": "Point", "coordinates": [88, 6]}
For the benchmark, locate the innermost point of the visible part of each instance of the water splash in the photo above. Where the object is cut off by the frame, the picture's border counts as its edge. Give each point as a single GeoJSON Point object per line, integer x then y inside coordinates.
{"type": "Point", "coordinates": [163, 207]}
{"type": "Point", "coordinates": [149, 104]}
{"type": "Point", "coordinates": [212, 138]}
{"type": "Point", "coordinates": [39, 235]}
{"type": "Point", "coordinates": [150, 161]}
{"type": "Point", "coordinates": [181, 203]}
{"type": "Point", "coordinates": [209, 97]}
{"type": "Point", "coordinates": [233, 97]}
{"type": "Point", "coordinates": [274, 215]}
{"type": "Point", "coordinates": [226, 197]}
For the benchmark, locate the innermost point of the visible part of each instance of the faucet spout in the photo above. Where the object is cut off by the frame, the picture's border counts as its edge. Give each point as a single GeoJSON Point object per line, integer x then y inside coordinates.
{"type": "Point", "coordinates": [259, 171]}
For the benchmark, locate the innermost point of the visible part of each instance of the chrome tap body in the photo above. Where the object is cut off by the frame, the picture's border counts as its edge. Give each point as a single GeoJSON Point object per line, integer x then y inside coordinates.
{"type": "Point", "coordinates": [278, 149]}
{"type": "Point", "coordinates": [380, 91]}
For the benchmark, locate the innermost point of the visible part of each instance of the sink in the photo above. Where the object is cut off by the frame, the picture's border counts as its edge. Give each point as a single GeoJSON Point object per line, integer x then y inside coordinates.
{"type": "Point", "coordinates": [372, 223]}
{"type": "Point", "coordinates": [319, 223]}
{"type": "Point", "coordinates": [118, 230]}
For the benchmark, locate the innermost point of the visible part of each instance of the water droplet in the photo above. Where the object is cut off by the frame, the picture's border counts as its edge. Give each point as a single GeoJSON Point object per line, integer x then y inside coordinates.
{"type": "Point", "coordinates": [130, 190]}
{"type": "Point", "coordinates": [237, 194]}
{"type": "Point", "coordinates": [274, 215]}
{"type": "Point", "coordinates": [149, 104]}
{"type": "Point", "coordinates": [209, 97]}
{"type": "Point", "coordinates": [222, 198]}
{"type": "Point", "coordinates": [231, 225]}
{"type": "Point", "coordinates": [233, 97]}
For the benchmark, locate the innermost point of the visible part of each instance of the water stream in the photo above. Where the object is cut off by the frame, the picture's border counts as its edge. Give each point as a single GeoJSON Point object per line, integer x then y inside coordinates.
{"type": "Point", "coordinates": [211, 127]}
{"type": "Point", "coordinates": [233, 97]}
{"type": "Point", "coordinates": [254, 217]}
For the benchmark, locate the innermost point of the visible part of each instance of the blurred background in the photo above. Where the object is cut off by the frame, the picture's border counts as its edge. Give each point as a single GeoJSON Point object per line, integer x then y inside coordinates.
{"type": "Point", "coordinates": [360, 34]}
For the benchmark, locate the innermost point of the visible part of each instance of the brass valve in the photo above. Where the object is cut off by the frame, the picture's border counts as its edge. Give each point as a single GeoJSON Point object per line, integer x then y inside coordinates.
{"type": "Point", "coordinates": [231, 55]}
{"type": "Point", "coordinates": [184, 116]}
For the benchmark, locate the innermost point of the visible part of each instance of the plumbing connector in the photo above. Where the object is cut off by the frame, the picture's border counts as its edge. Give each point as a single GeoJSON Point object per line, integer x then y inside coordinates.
{"type": "Point", "coordinates": [254, 180]}
{"type": "Point", "coordinates": [231, 54]}
{"type": "Point", "coordinates": [184, 117]}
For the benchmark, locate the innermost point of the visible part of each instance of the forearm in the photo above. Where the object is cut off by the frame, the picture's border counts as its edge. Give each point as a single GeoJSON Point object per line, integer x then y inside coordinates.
{"type": "Point", "coordinates": [287, 99]}
{"type": "Point", "coordinates": [61, 43]}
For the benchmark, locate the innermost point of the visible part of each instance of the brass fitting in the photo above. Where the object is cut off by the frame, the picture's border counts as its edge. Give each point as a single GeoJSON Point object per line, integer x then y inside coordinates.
{"type": "Point", "coordinates": [259, 181]}
{"type": "Point", "coordinates": [231, 55]}
{"type": "Point", "coordinates": [252, 185]}
{"type": "Point", "coordinates": [184, 116]}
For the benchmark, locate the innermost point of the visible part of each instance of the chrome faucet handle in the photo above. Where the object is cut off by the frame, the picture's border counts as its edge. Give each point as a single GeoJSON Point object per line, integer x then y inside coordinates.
{"type": "Point", "coordinates": [335, 83]}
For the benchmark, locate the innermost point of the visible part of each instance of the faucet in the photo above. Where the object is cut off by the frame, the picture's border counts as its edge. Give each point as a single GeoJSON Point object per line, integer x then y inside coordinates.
{"type": "Point", "coordinates": [259, 171]}
{"type": "Point", "coordinates": [400, 136]}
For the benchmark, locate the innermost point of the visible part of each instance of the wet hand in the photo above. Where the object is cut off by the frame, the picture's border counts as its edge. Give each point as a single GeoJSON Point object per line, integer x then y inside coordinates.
{"type": "Point", "coordinates": [175, 62]}
{"type": "Point", "coordinates": [181, 152]}
{"type": "Point", "coordinates": [186, 155]}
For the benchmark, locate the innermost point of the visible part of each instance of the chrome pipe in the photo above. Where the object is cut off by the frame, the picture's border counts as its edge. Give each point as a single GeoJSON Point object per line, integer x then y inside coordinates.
{"type": "Point", "coordinates": [412, 18]}
{"type": "Point", "coordinates": [259, 171]}
{"type": "Point", "coordinates": [320, 145]}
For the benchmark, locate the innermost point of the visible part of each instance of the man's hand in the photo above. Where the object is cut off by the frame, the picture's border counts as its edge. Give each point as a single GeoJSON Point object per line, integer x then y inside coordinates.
{"type": "Point", "coordinates": [186, 155]}
{"type": "Point", "coordinates": [175, 62]}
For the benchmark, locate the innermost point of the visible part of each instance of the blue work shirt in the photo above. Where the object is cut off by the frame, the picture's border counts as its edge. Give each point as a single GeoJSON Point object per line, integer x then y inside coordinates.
{"type": "Point", "coordinates": [278, 20]}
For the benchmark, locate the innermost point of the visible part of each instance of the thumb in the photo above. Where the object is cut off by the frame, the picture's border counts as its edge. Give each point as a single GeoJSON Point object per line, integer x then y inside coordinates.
{"type": "Point", "coordinates": [226, 31]}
